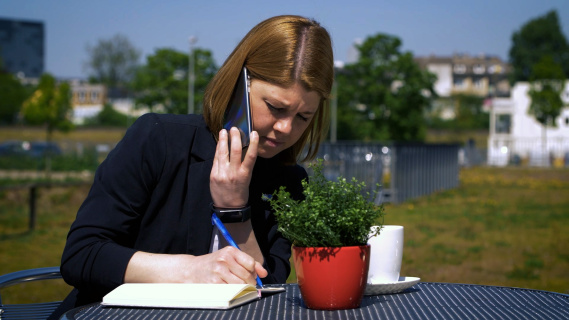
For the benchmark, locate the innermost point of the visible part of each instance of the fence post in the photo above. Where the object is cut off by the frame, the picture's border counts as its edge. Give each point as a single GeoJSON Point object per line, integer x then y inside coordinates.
{"type": "Point", "coordinates": [33, 194]}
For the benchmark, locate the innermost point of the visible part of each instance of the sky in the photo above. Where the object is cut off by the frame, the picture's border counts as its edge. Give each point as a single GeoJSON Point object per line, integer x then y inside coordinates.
{"type": "Point", "coordinates": [439, 27]}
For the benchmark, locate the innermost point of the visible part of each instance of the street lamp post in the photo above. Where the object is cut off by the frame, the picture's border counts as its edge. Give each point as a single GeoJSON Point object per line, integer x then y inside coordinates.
{"type": "Point", "coordinates": [334, 113]}
{"type": "Point", "coordinates": [338, 65]}
{"type": "Point", "coordinates": [191, 75]}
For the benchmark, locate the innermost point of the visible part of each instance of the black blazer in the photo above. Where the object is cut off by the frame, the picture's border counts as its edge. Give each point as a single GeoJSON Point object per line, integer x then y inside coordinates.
{"type": "Point", "coordinates": [152, 194]}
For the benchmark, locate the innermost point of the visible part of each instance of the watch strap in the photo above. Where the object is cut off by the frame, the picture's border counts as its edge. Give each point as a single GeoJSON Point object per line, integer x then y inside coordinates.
{"type": "Point", "coordinates": [231, 215]}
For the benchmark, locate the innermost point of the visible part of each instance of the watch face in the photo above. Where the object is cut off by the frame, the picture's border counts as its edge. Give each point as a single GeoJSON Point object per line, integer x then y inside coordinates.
{"type": "Point", "coordinates": [231, 216]}
{"type": "Point", "coordinates": [237, 215]}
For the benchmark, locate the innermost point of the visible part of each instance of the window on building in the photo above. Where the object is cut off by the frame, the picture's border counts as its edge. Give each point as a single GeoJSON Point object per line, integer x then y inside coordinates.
{"type": "Point", "coordinates": [458, 83]}
{"type": "Point", "coordinates": [459, 68]}
{"type": "Point", "coordinates": [478, 84]}
{"type": "Point", "coordinates": [503, 123]}
{"type": "Point", "coordinates": [496, 68]}
{"type": "Point", "coordinates": [94, 96]}
{"type": "Point", "coordinates": [478, 68]}
{"type": "Point", "coordinates": [81, 96]}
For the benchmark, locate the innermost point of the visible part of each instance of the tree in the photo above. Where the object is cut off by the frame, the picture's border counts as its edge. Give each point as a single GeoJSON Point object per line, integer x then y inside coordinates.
{"type": "Point", "coordinates": [113, 62]}
{"type": "Point", "coordinates": [50, 106]}
{"type": "Point", "coordinates": [383, 95]}
{"type": "Point", "coordinates": [12, 95]}
{"type": "Point", "coordinates": [163, 82]}
{"type": "Point", "coordinates": [547, 83]}
{"type": "Point", "coordinates": [108, 117]}
{"type": "Point", "coordinates": [537, 38]}
{"type": "Point", "coordinates": [469, 112]}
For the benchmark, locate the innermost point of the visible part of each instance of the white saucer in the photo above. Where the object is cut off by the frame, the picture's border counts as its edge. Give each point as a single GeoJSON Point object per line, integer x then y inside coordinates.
{"type": "Point", "coordinates": [392, 287]}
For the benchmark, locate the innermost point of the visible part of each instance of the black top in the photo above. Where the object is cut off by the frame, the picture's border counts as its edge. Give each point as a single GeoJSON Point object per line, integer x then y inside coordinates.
{"type": "Point", "coordinates": [152, 194]}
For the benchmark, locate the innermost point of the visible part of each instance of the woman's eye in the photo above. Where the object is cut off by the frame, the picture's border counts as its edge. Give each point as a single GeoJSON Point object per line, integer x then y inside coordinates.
{"type": "Point", "coordinates": [270, 106]}
{"type": "Point", "coordinates": [280, 110]}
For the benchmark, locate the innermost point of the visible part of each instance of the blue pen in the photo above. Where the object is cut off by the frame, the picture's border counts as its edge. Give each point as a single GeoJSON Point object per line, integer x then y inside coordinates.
{"type": "Point", "coordinates": [228, 238]}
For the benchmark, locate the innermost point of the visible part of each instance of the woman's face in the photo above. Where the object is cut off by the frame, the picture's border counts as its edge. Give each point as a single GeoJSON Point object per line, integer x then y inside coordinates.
{"type": "Point", "coordinates": [280, 115]}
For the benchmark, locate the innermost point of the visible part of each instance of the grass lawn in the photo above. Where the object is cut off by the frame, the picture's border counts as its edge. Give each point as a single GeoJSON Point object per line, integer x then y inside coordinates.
{"type": "Point", "coordinates": [502, 226]}
{"type": "Point", "coordinates": [505, 227]}
{"type": "Point", "coordinates": [23, 249]}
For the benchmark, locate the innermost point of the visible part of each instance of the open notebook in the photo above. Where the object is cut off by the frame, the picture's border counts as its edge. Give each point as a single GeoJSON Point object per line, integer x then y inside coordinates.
{"type": "Point", "coordinates": [184, 295]}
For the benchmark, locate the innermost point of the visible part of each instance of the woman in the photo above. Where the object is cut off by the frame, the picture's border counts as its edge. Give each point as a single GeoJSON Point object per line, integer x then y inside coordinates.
{"type": "Point", "coordinates": [147, 217]}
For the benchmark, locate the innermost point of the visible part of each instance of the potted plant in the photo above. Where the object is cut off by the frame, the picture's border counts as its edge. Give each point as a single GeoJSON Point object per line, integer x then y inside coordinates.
{"type": "Point", "coordinates": [329, 231]}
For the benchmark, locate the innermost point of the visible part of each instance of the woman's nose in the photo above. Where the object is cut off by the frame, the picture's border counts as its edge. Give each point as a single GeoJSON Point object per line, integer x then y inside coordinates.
{"type": "Point", "coordinates": [283, 125]}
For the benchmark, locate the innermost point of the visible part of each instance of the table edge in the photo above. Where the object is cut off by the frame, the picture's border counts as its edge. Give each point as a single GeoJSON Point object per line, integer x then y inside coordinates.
{"type": "Point", "coordinates": [70, 315]}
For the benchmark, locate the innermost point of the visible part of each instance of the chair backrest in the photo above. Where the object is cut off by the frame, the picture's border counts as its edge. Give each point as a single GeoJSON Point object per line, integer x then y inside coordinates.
{"type": "Point", "coordinates": [29, 310]}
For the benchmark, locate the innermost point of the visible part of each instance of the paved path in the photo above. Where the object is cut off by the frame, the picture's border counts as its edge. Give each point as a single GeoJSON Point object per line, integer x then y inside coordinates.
{"type": "Point", "coordinates": [33, 174]}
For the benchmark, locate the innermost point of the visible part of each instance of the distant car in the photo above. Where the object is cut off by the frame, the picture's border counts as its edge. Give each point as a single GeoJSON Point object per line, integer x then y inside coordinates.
{"type": "Point", "coordinates": [14, 148]}
{"type": "Point", "coordinates": [28, 149]}
{"type": "Point", "coordinates": [40, 149]}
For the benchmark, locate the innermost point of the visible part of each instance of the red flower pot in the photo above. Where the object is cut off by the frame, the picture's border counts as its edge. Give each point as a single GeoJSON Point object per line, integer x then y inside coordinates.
{"type": "Point", "coordinates": [332, 278]}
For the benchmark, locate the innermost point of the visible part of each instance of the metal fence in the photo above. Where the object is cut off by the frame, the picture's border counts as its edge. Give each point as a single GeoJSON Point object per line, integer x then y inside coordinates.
{"type": "Point", "coordinates": [470, 155]}
{"type": "Point", "coordinates": [532, 152]}
{"type": "Point", "coordinates": [364, 161]}
{"type": "Point", "coordinates": [421, 169]}
{"type": "Point", "coordinates": [414, 170]}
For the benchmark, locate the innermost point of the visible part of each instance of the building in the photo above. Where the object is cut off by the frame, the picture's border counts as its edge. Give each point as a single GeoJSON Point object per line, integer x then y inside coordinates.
{"type": "Point", "coordinates": [517, 138]}
{"type": "Point", "coordinates": [87, 100]}
{"type": "Point", "coordinates": [442, 68]}
{"type": "Point", "coordinates": [22, 48]}
{"type": "Point", "coordinates": [464, 74]}
{"type": "Point", "coordinates": [87, 94]}
{"type": "Point", "coordinates": [483, 76]}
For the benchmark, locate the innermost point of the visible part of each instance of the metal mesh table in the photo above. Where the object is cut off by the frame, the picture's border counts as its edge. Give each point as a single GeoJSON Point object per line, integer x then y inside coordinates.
{"type": "Point", "coordinates": [422, 301]}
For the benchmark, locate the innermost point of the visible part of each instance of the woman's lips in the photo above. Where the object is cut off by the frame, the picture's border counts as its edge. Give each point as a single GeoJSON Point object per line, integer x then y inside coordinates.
{"type": "Point", "coordinates": [272, 142]}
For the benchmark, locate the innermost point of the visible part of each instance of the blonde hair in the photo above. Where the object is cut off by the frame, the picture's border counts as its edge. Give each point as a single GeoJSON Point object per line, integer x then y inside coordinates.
{"type": "Point", "coordinates": [282, 50]}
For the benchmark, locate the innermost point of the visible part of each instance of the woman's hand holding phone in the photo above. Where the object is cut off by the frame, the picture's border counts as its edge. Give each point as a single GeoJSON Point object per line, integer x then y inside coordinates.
{"type": "Point", "coordinates": [231, 171]}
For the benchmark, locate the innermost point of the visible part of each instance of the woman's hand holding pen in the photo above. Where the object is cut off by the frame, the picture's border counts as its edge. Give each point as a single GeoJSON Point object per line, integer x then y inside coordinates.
{"type": "Point", "coordinates": [228, 265]}
{"type": "Point", "coordinates": [231, 171]}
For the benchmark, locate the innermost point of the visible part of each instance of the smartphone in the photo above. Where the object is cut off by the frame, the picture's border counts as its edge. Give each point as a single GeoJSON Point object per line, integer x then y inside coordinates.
{"type": "Point", "coordinates": [238, 112]}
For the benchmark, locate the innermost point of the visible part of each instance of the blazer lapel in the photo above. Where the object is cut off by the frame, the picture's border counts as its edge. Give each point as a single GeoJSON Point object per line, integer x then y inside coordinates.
{"type": "Point", "coordinates": [198, 196]}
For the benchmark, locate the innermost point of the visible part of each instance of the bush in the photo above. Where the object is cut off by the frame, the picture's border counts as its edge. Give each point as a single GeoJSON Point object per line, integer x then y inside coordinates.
{"type": "Point", "coordinates": [108, 117]}
{"type": "Point", "coordinates": [333, 213]}
{"type": "Point", "coordinates": [64, 162]}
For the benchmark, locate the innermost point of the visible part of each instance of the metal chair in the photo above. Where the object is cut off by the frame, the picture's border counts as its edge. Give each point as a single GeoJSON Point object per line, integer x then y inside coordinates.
{"type": "Point", "coordinates": [30, 310]}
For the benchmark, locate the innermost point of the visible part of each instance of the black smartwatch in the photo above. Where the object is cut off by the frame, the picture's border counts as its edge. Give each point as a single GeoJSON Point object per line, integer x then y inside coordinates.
{"type": "Point", "coordinates": [231, 215]}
